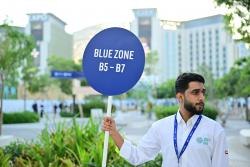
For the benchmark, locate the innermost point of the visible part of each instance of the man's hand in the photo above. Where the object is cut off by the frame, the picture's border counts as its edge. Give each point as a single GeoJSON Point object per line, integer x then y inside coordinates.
{"type": "Point", "coordinates": [110, 126]}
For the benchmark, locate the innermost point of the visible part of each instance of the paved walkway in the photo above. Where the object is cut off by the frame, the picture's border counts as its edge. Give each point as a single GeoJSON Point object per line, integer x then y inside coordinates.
{"type": "Point", "coordinates": [239, 154]}
{"type": "Point", "coordinates": [134, 125]}
{"type": "Point", "coordinates": [30, 131]}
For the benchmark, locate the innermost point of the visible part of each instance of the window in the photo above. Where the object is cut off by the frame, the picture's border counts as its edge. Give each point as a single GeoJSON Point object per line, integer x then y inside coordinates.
{"type": "Point", "coordinates": [37, 30]}
{"type": "Point", "coordinates": [145, 31]}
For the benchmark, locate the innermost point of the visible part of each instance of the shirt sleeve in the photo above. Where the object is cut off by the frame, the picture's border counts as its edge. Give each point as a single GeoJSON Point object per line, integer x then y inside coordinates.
{"type": "Point", "coordinates": [147, 149]}
{"type": "Point", "coordinates": [220, 151]}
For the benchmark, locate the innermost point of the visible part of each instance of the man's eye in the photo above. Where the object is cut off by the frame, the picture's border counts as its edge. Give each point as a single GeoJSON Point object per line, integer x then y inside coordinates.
{"type": "Point", "coordinates": [195, 92]}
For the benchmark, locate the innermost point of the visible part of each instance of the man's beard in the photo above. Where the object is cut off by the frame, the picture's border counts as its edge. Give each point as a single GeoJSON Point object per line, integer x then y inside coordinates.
{"type": "Point", "coordinates": [194, 109]}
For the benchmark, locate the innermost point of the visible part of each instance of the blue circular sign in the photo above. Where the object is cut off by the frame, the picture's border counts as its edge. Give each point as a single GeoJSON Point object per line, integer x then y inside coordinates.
{"type": "Point", "coordinates": [113, 61]}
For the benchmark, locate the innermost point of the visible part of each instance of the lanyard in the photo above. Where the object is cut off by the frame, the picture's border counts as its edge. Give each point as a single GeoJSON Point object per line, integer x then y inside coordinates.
{"type": "Point", "coordinates": [188, 138]}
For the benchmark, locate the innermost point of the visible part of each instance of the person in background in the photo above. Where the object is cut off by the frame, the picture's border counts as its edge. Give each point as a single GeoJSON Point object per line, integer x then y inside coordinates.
{"type": "Point", "coordinates": [55, 109]}
{"type": "Point", "coordinates": [42, 110]}
{"type": "Point", "coordinates": [61, 107]}
{"type": "Point", "coordinates": [35, 107]}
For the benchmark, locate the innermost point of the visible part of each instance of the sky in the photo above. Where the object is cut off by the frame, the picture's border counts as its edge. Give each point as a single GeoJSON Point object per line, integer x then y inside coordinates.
{"type": "Point", "coordinates": [79, 14]}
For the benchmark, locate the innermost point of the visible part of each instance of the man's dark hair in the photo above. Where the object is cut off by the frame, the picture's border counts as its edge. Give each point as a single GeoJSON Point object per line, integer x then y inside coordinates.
{"type": "Point", "coordinates": [181, 83]}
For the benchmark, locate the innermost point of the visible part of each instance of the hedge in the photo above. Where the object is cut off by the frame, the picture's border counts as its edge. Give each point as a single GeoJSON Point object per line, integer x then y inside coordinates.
{"type": "Point", "coordinates": [86, 108]}
{"type": "Point", "coordinates": [20, 117]}
{"type": "Point", "coordinates": [164, 111]}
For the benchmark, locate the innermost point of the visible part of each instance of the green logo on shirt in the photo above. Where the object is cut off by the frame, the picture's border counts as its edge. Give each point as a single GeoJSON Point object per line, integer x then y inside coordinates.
{"type": "Point", "coordinates": [199, 140]}
{"type": "Point", "coordinates": [202, 140]}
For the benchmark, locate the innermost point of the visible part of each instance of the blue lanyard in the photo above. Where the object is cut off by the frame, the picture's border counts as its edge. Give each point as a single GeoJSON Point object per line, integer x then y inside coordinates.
{"type": "Point", "coordinates": [188, 138]}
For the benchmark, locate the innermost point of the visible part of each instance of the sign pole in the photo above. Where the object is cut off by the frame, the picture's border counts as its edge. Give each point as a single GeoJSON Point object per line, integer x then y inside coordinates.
{"type": "Point", "coordinates": [106, 139]}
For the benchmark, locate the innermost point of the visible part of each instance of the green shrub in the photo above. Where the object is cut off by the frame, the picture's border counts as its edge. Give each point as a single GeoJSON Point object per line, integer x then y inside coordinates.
{"type": "Point", "coordinates": [15, 149]}
{"type": "Point", "coordinates": [93, 104]}
{"type": "Point", "coordinates": [4, 158]}
{"type": "Point", "coordinates": [67, 147]}
{"type": "Point", "coordinates": [164, 111]}
{"type": "Point", "coordinates": [210, 112]}
{"type": "Point", "coordinates": [67, 114]}
{"type": "Point", "coordinates": [90, 105]}
{"type": "Point", "coordinates": [20, 117]}
{"type": "Point", "coordinates": [157, 162]}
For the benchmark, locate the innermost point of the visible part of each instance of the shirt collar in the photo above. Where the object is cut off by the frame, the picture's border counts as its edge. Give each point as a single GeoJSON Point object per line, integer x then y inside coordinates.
{"type": "Point", "coordinates": [191, 121]}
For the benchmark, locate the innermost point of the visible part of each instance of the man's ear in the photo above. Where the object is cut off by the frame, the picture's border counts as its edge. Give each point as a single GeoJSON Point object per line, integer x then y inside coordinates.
{"type": "Point", "coordinates": [179, 96]}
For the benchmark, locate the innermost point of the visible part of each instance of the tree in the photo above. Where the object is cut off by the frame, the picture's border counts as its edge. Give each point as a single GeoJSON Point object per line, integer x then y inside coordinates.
{"type": "Point", "coordinates": [15, 53]}
{"type": "Point", "coordinates": [238, 23]}
{"type": "Point", "coordinates": [238, 18]}
{"type": "Point", "coordinates": [150, 71]}
{"type": "Point", "coordinates": [209, 79]}
{"type": "Point", "coordinates": [243, 82]}
{"type": "Point", "coordinates": [40, 83]}
{"type": "Point", "coordinates": [225, 86]}
{"type": "Point", "coordinates": [138, 93]}
{"type": "Point", "coordinates": [166, 89]}
{"type": "Point", "coordinates": [151, 61]}
{"type": "Point", "coordinates": [29, 73]}
{"type": "Point", "coordinates": [236, 82]}
{"type": "Point", "coordinates": [64, 64]}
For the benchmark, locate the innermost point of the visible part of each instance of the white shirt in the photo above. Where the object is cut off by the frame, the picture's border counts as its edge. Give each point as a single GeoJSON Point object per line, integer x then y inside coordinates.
{"type": "Point", "coordinates": [207, 147]}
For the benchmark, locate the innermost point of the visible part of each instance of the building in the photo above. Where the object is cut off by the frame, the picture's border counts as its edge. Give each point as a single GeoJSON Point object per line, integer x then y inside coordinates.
{"type": "Point", "coordinates": [170, 48]}
{"type": "Point", "coordinates": [82, 37]}
{"type": "Point", "coordinates": [146, 26]}
{"type": "Point", "coordinates": [51, 38]}
{"type": "Point", "coordinates": [185, 46]}
{"type": "Point", "coordinates": [205, 42]}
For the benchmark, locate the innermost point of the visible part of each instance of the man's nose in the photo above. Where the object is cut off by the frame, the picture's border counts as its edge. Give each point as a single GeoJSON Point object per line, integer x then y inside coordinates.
{"type": "Point", "coordinates": [201, 97]}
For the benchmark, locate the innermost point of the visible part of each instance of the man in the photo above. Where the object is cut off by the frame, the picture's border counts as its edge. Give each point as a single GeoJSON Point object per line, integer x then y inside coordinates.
{"type": "Point", "coordinates": [186, 139]}
{"type": "Point", "coordinates": [35, 107]}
